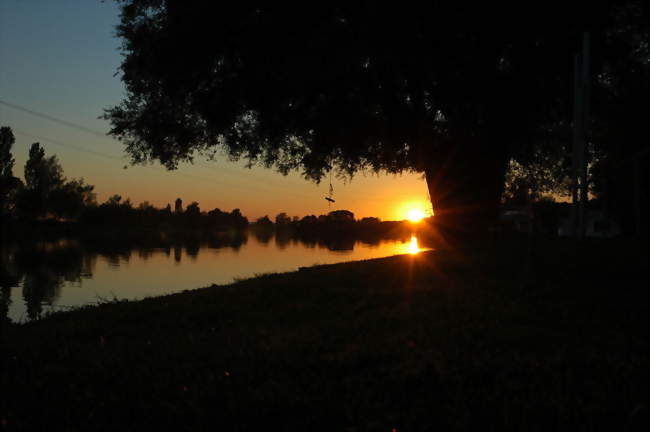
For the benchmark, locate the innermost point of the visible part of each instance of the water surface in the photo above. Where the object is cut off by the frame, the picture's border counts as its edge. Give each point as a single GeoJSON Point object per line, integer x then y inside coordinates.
{"type": "Point", "coordinates": [37, 277]}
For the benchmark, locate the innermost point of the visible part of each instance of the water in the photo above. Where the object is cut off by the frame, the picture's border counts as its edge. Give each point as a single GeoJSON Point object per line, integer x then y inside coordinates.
{"type": "Point", "coordinates": [38, 277]}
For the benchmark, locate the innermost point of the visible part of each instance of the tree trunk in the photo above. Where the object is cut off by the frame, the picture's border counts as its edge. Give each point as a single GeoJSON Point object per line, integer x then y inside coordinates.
{"type": "Point", "coordinates": [465, 184]}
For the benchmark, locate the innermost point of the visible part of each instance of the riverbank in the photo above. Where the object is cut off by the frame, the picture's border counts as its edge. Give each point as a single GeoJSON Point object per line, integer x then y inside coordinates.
{"type": "Point", "coordinates": [468, 339]}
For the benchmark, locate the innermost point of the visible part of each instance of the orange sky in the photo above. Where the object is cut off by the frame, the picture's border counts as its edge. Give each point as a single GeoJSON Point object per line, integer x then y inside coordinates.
{"type": "Point", "coordinates": [228, 185]}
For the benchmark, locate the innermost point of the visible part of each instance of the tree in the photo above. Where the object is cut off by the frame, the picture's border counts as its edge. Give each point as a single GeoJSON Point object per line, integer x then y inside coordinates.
{"type": "Point", "coordinates": [237, 219]}
{"type": "Point", "coordinates": [621, 178]}
{"type": "Point", "coordinates": [146, 207]}
{"type": "Point", "coordinates": [8, 183]}
{"type": "Point", "coordinates": [540, 174]}
{"type": "Point", "coordinates": [282, 219]}
{"type": "Point", "coordinates": [264, 222]}
{"type": "Point", "coordinates": [222, 221]}
{"type": "Point", "coordinates": [7, 161]}
{"type": "Point", "coordinates": [433, 87]}
{"type": "Point", "coordinates": [113, 200]}
{"type": "Point", "coordinates": [46, 190]}
{"type": "Point", "coordinates": [193, 210]}
{"type": "Point", "coordinates": [70, 199]}
{"type": "Point", "coordinates": [341, 216]}
{"type": "Point", "coordinates": [115, 211]}
{"type": "Point", "coordinates": [43, 175]}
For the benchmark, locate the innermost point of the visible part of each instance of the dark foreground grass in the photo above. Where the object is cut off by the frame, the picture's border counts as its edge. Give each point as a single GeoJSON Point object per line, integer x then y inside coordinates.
{"type": "Point", "coordinates": [474, 339]}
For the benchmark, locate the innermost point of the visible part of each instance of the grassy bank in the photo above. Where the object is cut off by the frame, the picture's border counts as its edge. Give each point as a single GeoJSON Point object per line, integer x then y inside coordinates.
{"type": "Point", "coordinates": [471, 339]}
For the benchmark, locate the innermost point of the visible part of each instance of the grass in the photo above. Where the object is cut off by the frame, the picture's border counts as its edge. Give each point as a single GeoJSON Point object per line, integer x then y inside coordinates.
{"type": "Point", "coordinates": [468, 339]}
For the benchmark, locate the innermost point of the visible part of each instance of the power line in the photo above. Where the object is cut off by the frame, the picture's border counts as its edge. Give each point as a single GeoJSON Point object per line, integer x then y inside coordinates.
{"type": "Point", "coordinates": [119, 159]}
{"type": "Point", "coordinates": [72, 146]}
{"type": "Point", "coordinates": [219, 170]}
{"type": "Point", "coordinates": [53, 119]}
{"type": "Point", "coordinates": [104, 155]}
{"type": "Point", "coordinates": [103, 136]}
{"type": "Point", "coordinates": [116, 158]}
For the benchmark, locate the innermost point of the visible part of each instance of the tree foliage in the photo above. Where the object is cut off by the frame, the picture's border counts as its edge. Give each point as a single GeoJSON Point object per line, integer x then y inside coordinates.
{"type": "Point", "coordinates": [8, 183]}
{"type": "Point", "coordinates": [282, 219]}
{"type": "Point", "coordinates": [291, 85]}
{"type": "Point", "coordinates": [7, 161]}
{"type": "Point", "coordinates": [193, 210]}
{"type": "Point", "coordinates": [42, 174]}
{"type": "Point", "coordinates": [70, 199]}
{"type": "Point", "coordinates": [450, 89]}
{"type": "Point", "coordinates": [47, 192]}
{"type": "Point", "coordinates": [356, 85]}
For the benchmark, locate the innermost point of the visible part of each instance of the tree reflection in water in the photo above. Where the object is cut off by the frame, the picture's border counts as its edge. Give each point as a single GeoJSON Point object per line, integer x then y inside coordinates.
{"type": "Point", "coordinates": [39, 270]}
{"type": "Point", "coordinates": [9, 278]}
{"type": "Point", "coordinates": [263, 236]}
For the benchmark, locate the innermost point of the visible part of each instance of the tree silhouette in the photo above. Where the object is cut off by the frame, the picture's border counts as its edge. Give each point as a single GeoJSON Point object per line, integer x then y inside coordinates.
{"type": "Point", "coordinates": [9, 278]}
{"type": "Point", "coordinates": [282, 219]}
{"type": "Point", "coordinates": [7, 161]}
{"type": "Point", "coordinates": [8, 183]}
{"type": "Point", "coordinates": [434, 87]}
{"type": "Point", "coordinates": [47, 192]}
{"type": "Point", "coordinates": [193, 209]}
{"type": "Point", "coordinates": [543, 174]}
{"type": "Point", "coordinates": [192, 214]}
{"type": "Point", "coordinates": [70, 199]}
{"type": "Point", "coordinates": [43, 175]}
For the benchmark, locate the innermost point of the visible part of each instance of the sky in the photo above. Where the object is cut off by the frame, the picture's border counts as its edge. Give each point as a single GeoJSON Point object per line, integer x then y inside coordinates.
{"type": "Point", "coordinates": [61, 59]}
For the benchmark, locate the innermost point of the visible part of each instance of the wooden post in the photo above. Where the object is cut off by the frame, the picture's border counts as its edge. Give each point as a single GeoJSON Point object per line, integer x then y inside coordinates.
{"type": "Point", "coordinates": [585, 92]}
{"type": "Point", "coordinates": [580, 190]}
{"type": "Point", "coordinates": [577, 141]}
{"type": "Point", "coordinates": [637, 197]}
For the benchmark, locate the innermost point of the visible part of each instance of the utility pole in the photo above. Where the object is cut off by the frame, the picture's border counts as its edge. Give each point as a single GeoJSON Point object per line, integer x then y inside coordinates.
{"type": "Point", "coordinates": [581, 87]}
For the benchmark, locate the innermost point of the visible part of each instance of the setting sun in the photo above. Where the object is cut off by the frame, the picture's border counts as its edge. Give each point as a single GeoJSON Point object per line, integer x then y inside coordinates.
{"type": "Point", "coordinates": [415, 215]}
{"type": "Point", "coordinates": [413, 210]}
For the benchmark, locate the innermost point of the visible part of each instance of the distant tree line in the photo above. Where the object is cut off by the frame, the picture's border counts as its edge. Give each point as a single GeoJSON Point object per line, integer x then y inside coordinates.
{"type": "Point", "coordinates": [338, 223]}
{"type": "Point", "coordinates": [122, 212]}
{"type": "Point", "coordinates": [46, 194]}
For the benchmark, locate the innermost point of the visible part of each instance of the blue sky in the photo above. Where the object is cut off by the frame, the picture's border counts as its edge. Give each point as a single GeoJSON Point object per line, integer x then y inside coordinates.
{"type": "Point", "coordinates": [61, 58]}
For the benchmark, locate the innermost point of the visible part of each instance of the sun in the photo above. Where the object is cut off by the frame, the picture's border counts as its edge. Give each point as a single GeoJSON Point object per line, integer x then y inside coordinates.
{"type": "Point", "coordinates": [415, 215]}
{"type": "Point", "coordinates": [413, 210]}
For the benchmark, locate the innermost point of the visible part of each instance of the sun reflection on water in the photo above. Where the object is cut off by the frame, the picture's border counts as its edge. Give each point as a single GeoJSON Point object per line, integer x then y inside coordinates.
{"type": "Point", "coordinates": [413, 247]}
